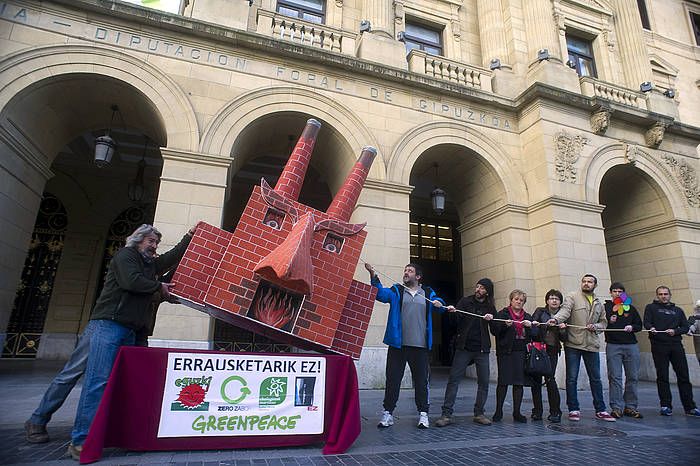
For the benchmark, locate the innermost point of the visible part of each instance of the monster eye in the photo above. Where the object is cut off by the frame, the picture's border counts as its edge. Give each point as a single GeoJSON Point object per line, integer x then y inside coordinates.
{"type": "Point", "coordinates": [333, 243]}
{"type": "Point", "coordinates": [274, 218]}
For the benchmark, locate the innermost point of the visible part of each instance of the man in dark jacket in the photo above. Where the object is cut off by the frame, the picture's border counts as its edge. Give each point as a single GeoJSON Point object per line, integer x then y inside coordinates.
{"type": "Point", "coordinates": [667, 323]}
{"type": "Point", "coordinates": [472, 345]}
{"type": "Point", "coordinates": [622, 351]}
{"type": "Point", "coordinates": [123, 308]}
{"type": "Point", "coordinates": [409, 334]}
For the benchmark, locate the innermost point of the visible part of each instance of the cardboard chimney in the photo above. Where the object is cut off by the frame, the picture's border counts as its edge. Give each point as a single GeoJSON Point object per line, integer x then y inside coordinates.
{"type": "Point", "coordinates": [286, 271]}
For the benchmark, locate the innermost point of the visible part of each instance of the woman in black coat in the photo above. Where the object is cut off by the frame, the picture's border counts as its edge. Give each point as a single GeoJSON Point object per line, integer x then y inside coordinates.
{"type": "Point", "coordinates": [551, 336]}
{"type": "Point", "coordinates": [512, 337]}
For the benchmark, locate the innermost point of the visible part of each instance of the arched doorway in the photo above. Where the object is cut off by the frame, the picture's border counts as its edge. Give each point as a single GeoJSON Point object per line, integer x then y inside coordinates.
{"type": "Point", "coordinates": [66, 114]}
{"type": "Point", "coordinates": [261, 151]}
{"type": "Point", "coordinates": [36, 286]}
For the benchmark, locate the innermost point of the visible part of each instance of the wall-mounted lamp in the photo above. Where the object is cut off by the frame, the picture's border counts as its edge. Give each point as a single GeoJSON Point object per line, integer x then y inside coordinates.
{"type": "Point", "coordinates": [571, 64]}
{"type": "Point", "coordinates": [542, 54]}
{"type": "Point", "coordinates": [646, 86]}
{"type": "Point", "coordinates": [437, 196]}
{"type": "Point", "coordinates": [105, 145]}
{"type": "Point", "coordinates": [137, 187]}
{"type": "Point", "coordinates": [495, 64]}
{"type": "Point", "coordinates": [670, 93]}
{"type": "Point", "coordinates": [401, 36]}
{"type": "Point", "coordinates": [365, 26]}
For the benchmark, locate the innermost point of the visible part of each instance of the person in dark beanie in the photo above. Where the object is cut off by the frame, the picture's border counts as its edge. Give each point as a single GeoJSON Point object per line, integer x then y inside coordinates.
{"type": "Point", "coordinates": [551, 336]}
{"type": "Point", "coordinates": [667, 323]}
{"type": "Point", "coordinates": [622, 351]}
{"type": "Point", "coordinates": [472, 345]}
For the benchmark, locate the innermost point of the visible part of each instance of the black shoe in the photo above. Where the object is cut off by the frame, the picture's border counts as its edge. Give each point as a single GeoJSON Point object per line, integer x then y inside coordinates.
{"type": "Point", "coordinates": [35, 433]}
{"type": "Point", "coordinates": [554, 418]}
{"type": "Point", "coordinates": [536, 417]}
{"type": "Point", "coordinates": [497, 417]}
{"type": "Point", "coordinates": [517, 417]}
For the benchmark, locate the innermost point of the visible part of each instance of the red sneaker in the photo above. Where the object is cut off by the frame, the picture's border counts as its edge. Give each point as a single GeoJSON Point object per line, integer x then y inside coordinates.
{"type": "Point", "coordinates": [574, 416]}
{"type": "Point", "coordinates": [604, 416]}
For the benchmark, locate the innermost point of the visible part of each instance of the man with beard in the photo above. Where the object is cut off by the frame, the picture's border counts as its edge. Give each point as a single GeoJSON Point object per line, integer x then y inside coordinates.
{"type": "Point", "coordinates": [472, 345]}
{"type": "Point", "coordinates": [586, 312]}
{"type": "Point", "coordinates": [122, 309]}
{"type": "Point", "coordinates": [667, 323]}
{"type": "Point", "coordinates": [409, 334]}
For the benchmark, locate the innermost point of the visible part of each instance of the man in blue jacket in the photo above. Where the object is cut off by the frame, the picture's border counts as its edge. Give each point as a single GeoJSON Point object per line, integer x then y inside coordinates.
{"type": "Point", "coordinates": [409, 334]}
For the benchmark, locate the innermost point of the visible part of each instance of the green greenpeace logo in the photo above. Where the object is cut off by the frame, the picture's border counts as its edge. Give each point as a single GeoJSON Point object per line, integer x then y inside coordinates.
{"type": "Point", "coordinates": [273, 391]}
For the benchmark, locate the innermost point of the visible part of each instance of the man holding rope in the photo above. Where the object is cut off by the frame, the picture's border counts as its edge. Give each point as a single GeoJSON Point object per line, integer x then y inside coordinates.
{"type": "Point", "coordinates": [667, 323]}
{"type": "Point", "coordinates": [409, 334]}
{"type": "Point", "coordinates": [585, 315]}
{"type": "Point", "coordinates": [473, 345]}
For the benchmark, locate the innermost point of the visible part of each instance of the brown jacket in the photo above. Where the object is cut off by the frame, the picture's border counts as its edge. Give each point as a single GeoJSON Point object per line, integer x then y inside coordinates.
{"type": "Point", "coordinates": [576, 310]}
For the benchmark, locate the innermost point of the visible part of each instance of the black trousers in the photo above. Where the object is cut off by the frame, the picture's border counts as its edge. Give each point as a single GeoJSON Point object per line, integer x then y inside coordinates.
{"type": "Point", "coordinates": [674, 353]}
{"type": "Point", "coordinates": [553, 396]}
{"type": "Point", "coordinates": [417, 359]}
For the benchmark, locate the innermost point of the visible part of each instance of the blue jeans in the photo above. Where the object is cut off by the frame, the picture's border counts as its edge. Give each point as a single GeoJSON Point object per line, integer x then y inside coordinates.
{"type": "Point", "coordinates": [64, 382]}
{"type": "Point", "coordinates": [106, 338]}
{"type": "Point", "coordinates": [619, 356]}
{"type": "Point", "coordinates": [591, 359]}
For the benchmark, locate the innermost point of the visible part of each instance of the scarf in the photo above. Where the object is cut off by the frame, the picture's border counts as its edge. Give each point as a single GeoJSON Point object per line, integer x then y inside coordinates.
{"type": "Point", "coordinates": [517, 322]}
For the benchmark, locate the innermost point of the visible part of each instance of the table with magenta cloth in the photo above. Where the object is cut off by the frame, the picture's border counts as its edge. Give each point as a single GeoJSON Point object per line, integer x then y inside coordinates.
{"type": "Point", "coordinates": [129, 413]}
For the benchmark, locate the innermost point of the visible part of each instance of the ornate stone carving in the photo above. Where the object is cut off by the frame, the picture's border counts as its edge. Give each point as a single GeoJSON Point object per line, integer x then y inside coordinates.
{"type": "Point", "coordinates": [631, 153]}
{"type": "Point", "coordinates": [339, 3]}
{"type": "Point", "coordinates": [655, 135]}
{"type": "Point", "coordinates": [398, 11]}
{"type": "Point", "coordinates": [609, 38]}
{"type": "Point", "coordinates": [567, 152]}
{"type": "Point", "coordinates": [686, 177]}
{"type": "Point", "coordinates": [559, 18]}
{"type": "Point", "coordinates": [600, 121]}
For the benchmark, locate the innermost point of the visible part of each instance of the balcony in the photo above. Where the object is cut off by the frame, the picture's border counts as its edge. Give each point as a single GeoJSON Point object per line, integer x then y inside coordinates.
{"type": "Point", "coordinates": [306, 33]}
{"type": "Point", "coordinates": [592, 87]}
{"type": "Point", "coordinates": [447, 70]}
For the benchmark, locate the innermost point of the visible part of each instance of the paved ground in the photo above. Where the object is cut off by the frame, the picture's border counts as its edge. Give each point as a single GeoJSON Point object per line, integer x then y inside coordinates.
{"type": "Point", "coordinates": [652, 440]}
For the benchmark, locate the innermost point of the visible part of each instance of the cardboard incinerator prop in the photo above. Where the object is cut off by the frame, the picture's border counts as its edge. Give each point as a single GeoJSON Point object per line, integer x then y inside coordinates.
{"type": "Point", "coordinates": [286, 271]}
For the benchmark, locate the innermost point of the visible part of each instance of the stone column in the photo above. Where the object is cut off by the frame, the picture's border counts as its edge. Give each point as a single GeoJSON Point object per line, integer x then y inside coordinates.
{"type": "Point", "coordinates": [540, 29]}
{"type": "Point", "coordinates": [628, 30]}
{"type": "Point", "coordinates": [384, 205]}
{"type": "Point", "coordinates": [192, 188]}
{"type": "Point", "coordinates": [492, 32]}
{"type": "Point", "coordinates": [381, 14]}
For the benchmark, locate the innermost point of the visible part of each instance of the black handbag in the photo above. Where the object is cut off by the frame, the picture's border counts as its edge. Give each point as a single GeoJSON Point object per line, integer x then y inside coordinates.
{"type": "Point", "coordinates": [537, 362]}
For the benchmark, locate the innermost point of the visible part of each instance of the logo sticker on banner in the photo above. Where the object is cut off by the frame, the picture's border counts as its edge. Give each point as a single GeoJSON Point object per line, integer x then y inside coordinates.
{"type": "Point", "coordinates": [231, 394]}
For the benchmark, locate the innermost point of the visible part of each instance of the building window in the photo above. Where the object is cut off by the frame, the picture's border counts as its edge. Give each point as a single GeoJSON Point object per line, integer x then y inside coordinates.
{"type": "Point", "coordinates": [695, 21]}
{"type": "Point", "coordinates": [641, 4]}
{"type": "Point", "coordinates": [581, 56]}
{"type": "Point", "coordinates": [430, 241]}
{"type": "Point", "coordinates": [308, 10]}
{"type": "Point", "coordinates": [421, 37]}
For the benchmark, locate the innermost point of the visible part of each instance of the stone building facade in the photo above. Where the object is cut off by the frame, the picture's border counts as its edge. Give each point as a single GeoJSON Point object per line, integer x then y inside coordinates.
{"type": "Point", "coordinates": [564, 133]}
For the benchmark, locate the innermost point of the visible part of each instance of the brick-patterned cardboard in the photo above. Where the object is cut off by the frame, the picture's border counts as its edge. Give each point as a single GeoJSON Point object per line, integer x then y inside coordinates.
{"type": "Point", "coordinates": [301, 265]}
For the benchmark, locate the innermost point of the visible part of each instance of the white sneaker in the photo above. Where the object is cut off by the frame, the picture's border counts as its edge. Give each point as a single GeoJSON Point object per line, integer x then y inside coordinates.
{"type": "Point", "coordinates": [387, 420]}
{"type": "Point", "coordinates": [423, 422]}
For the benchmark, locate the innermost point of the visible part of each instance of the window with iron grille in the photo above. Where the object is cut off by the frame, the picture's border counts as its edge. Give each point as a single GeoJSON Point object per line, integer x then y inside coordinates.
{"type": "Point", "coordinates": [313, 11]}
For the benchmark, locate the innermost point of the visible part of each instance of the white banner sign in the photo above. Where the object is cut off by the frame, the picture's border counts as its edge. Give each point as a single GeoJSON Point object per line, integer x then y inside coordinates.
{"type": "Point", "coordinates": [231, 394]}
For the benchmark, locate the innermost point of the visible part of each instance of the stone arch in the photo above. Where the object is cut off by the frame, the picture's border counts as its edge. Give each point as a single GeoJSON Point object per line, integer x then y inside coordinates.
{"type": "Point", "coordinates": [664, 181]}
{"type": "Point", "coordinates": [431, 134]}
{"type": "Point", "coordinates": [220, 135]}
{"type": "Point", "coordinates": [22, 69]}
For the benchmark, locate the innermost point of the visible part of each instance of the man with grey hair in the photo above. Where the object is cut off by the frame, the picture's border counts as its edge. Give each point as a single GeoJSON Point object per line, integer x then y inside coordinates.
{"type": "Point", "coordinates": [122, 309]}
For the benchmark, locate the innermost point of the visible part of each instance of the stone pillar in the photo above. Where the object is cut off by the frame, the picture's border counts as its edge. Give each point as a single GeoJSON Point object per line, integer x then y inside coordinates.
{"type": "Point", "coordinates": [384, 206]}
{"type": "Point", "coordinates": [492, 32]}
{"type": "Point", "coordinates": [628, 30]}
{"type": "Point", "coordinates": [380, 44]}
{"type": "Point", "coordinates": [541, 33]}
{"type": "Point", "coordinates": [192, 188]}
{"type": "Point", "coordinates": [24, 175]}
